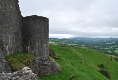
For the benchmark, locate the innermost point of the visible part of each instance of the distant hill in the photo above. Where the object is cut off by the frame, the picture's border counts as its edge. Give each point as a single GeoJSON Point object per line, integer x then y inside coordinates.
{"type": "Point", "coordinates": [105, 45]}
{"type": "Point", "coordinates": [91, 39]}
{"type": "Point", "coordinates": [83, 64]}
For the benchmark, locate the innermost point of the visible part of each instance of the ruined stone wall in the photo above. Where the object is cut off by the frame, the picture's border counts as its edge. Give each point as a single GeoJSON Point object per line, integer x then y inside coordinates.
{"type": "Point", "coordinates": [10, 26]}
{"type": "Point", "coordinates": [28, 34]}
{"type": "Point", "coordinates": [4, 67]}
{"type": "Point", "coordinates": [35, 35]}
{"type": "Point", "coordinates": [35, 41]}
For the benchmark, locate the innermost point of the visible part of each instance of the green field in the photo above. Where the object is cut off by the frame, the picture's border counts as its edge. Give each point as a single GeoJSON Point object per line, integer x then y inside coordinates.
{"type": "Point", "coordinates": [82, 64]}
{"type": "Point", "coordinates": [116, 50]}
{"type": "Point", "coordinates": [76, 64]}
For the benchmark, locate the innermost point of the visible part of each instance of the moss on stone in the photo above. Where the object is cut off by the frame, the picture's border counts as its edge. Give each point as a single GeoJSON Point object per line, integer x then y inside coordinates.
{"type": "Point", "coordinates": [18, 60]}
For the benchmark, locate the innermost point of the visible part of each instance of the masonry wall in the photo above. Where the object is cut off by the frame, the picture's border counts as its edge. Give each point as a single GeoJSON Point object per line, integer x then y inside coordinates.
{"type": "Point", "coordinates": [29, 34]}
{"type": "Point", "coordinates": [35, 35]}
{"type": "Point", "coordinates": [35, 41]}
{"type": "Point", "coordinates": [4, 67]}
{"type": "Point", "coordinates": [10, 26]}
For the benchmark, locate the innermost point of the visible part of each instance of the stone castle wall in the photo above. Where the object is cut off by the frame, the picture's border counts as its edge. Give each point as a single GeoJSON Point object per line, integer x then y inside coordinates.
{"type": "Point", "coordinates": [35, 35]}
{"type": "Point", "coordinates": [35, 41]}
{"type": "Point", "coordinates": [10, 26]}
{"type": "Point", "coordinates": [29, 34]}
{"type": "Point", "coordinates": [4, 67]}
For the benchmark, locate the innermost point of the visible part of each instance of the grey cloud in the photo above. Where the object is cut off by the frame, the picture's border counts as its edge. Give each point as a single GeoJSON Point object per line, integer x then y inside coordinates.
{"type": "Point", "coordinates": [76, 17]}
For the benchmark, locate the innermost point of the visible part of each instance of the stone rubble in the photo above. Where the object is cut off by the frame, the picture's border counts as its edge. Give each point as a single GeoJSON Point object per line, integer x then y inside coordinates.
{"type": "Point", "coordinates": [24, 74]}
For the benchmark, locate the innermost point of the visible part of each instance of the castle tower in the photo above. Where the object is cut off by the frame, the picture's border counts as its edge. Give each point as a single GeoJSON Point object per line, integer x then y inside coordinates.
{"type": "Point", "coordinates": [29, 34]}
{"type": "Point", "coordinates": [35, 35]}
{"type": "Point", "coordinates": [35, 41]}
{"type": "Point", "coordinates": [10, 26]}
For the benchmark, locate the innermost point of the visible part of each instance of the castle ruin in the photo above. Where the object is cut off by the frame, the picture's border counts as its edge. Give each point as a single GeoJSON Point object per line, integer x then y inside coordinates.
{"type": "Point", "coordinates": [29, 34]}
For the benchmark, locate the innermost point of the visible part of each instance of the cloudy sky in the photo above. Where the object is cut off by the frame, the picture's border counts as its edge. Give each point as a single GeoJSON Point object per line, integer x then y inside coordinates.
{"type": "Point", "coordinates": [76, 18]}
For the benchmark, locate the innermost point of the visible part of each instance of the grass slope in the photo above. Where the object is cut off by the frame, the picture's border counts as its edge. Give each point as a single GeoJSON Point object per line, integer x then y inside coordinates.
{"type": "Point", "coordinates": [82, 64]}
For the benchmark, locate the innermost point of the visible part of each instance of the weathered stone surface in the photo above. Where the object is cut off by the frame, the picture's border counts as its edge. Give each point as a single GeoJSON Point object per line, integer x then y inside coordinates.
{"type": "Point", "coordinates": [18, 75]}
{"type": "Point", "coordinates": [44, 66]}
{"type": "Point", "coordinates": [28, 34]}
{"type": "Point", "coordinates": [10, 26]}
{"type": "Point", "coordinates": [35, 35]}
{"type": "Point", "coordinates": [35, 40]}
{"type": "Point", "coordinates": [3, 64]}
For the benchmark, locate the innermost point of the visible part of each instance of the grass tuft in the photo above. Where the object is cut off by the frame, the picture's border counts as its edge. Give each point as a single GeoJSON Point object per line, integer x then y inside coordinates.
{"type": "Point", "coordinates": [18, 60]}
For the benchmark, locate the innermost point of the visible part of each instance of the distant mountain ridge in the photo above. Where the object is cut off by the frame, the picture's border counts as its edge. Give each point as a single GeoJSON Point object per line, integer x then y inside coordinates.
{"type": "Point", "coordinates": [91, 39]}
{"type": "Point", "coordinates": [105, 45]}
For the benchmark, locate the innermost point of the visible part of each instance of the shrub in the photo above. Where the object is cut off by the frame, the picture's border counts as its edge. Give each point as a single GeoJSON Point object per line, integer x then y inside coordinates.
{"type": "Point", "coordinates": [105, 73]}
{"type": "Point", "coordinates": [116, 58]}
{"type": "Point", "coordinates": [101, 65]}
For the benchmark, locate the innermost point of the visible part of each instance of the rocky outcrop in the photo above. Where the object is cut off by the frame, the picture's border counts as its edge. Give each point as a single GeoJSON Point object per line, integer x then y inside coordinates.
{"type": "Point", "coordinates": [29, 34]}
{"type": "Point", "coordinates": [24, 74]}
{"type": "Point", "coordinates": [43, 66]}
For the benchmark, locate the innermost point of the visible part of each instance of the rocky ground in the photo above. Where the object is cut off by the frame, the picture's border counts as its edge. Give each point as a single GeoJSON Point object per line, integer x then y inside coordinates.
{"type": "Point", "coordinates": [24, 74]}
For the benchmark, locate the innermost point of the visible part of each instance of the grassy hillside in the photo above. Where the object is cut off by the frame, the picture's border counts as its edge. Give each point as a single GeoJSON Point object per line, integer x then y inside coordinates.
{"type": "Point", "coordinates": [83, 64]}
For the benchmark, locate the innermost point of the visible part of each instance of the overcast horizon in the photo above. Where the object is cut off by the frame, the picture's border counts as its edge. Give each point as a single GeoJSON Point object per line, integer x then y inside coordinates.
{"type": "Point", "coordinates": [76, 18]}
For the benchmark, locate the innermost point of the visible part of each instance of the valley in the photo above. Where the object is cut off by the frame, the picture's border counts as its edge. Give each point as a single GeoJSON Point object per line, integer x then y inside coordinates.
{"type": "Point", "coordinates": [105, 45]}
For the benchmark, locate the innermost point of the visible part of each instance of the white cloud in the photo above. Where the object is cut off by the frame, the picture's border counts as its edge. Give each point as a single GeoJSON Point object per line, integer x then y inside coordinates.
{"type": "Point", "coordinates": [60, 35]}
{"type": "Point", "coordinates": [88, 18]}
